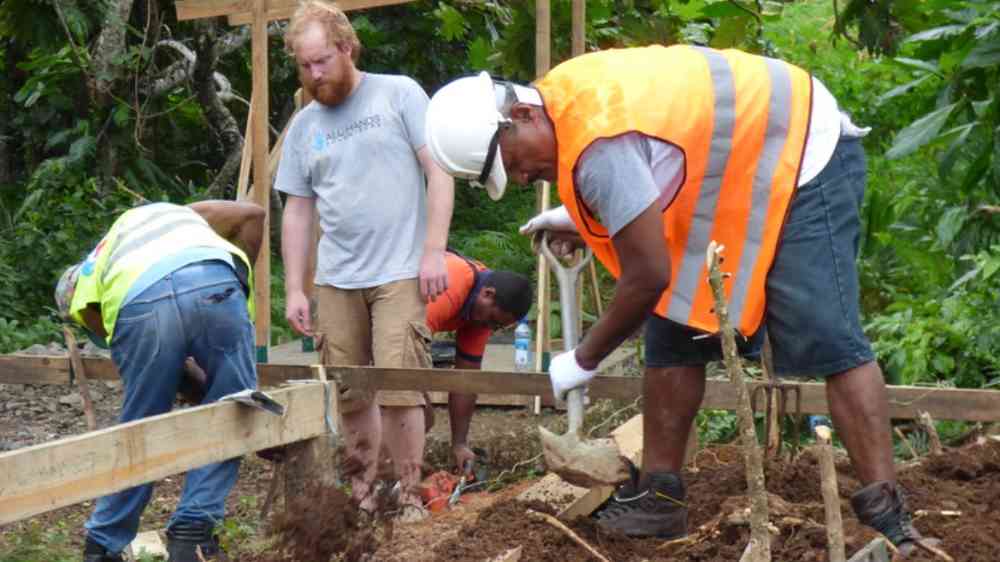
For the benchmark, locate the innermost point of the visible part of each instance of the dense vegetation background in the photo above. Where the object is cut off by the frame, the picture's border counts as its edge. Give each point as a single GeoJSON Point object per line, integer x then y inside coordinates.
{"type": "Point", "coordinates": [105, 104]}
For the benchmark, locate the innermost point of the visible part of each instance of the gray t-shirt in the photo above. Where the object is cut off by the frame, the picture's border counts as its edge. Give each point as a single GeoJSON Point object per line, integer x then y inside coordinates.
{"type": "Point", "coordinates": [620, 177]}
{"type": "Point", "coordinates": [359, 161]}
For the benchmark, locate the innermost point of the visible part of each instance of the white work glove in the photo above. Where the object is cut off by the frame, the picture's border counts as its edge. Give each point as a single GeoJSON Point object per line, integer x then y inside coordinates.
{"type": "Point", "coordinates": [553, 219]}
{"type": "Point", "coordinates": [566, 374]}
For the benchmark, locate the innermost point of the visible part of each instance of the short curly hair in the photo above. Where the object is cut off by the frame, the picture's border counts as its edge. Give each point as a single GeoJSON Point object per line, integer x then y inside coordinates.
{"type": "Point", "coordinates": [338, 28]}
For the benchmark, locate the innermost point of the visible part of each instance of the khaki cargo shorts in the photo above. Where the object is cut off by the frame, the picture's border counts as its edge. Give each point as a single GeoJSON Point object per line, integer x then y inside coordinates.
{"type": "Point", "coordinates": [384, 326]}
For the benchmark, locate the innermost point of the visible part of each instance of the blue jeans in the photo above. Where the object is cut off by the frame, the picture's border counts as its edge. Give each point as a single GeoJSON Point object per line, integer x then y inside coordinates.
{"type": "Point", "coordinates": [813, 315]}
{"type": "Point", "coordinates": [197, 311]}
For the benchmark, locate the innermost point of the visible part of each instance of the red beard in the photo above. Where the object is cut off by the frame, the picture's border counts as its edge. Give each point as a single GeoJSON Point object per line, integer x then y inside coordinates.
{"type": "Point", "coordinates": [329, 93]}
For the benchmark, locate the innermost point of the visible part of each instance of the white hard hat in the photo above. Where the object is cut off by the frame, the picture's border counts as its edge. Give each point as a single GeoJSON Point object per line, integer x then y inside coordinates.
{"type": "Point", "coordinates": [463, 123]}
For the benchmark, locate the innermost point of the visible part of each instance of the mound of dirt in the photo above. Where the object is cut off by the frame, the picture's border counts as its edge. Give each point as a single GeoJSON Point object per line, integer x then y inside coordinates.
{"type": "Point", "coordinates": [965, 480]}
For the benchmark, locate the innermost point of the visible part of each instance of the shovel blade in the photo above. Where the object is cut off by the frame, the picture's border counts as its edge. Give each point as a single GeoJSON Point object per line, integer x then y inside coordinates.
{"type": "Point", "coordinates": [585, 463]}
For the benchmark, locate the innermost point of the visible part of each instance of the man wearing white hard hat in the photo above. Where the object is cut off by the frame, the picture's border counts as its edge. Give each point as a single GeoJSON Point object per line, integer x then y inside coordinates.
{"type": "Point", "coordinates": [657, 151]}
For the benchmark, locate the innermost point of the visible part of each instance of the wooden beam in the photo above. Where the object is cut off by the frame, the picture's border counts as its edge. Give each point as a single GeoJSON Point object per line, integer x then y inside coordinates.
{"type": "Point", "coordinates": [44, 477]}
{"type": "Point", "coordinates": [286, 12]}
{"type": "Point", "coordinates": [240, 11]}
{"type": "Point", "coordinates": [26, 369]}
{"type": "Point", "coordinates": [905, 402]}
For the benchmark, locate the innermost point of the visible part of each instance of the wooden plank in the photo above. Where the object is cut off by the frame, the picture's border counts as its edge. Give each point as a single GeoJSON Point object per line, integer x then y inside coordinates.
{"type": "Point", "coordinates": [28, 369]}
{"type": "Point", "coordinates": [628, 437]}
{"type": "Point", "coordinates": [197, 9]}
{"type": "Point", "coordinates": [44, 477]}
{"type": "Point", "coordinates": [240, 11]}
{"type": "Point", "coordinates": [905, 402]}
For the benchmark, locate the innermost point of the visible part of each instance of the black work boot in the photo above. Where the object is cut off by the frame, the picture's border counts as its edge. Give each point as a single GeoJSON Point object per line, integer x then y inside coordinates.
{"type": "Point", "coordinates": [93, 552]}
{"type": "Point", "coordinates": [184, 538]}
{"type": "Point", "coordinates": [655, 509]}
{"type": "Point", "coordinates": [882, 506]}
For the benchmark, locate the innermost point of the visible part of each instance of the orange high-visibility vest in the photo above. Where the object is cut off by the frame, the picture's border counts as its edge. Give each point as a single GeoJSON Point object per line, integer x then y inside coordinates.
{"type": "Point", "coordinates": [741, 121]}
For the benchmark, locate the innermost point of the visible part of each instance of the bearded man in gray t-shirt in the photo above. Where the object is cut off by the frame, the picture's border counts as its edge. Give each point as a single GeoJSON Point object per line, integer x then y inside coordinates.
{"type": "Point", "coordinates": [356, 154]}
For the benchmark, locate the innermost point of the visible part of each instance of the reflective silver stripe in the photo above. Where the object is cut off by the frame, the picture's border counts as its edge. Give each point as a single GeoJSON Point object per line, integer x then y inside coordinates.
{"type": "Point", "coordinates": [129, 242]}
{"type": "Point", "coordinates": [689, 272]}
{"type": "Point", "coordinates": [779, 116]}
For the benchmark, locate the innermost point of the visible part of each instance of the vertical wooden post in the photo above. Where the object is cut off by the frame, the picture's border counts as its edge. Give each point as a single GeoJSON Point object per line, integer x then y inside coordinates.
{"type": "Point", "coordinates": [774, 421]}
{"type": "Point", "coordinates": [314, 460]}
{"type": "Point", "coordinates": [261, 176]}
{"type": "Point", "coordinates": [543, 60]}
{"type": "Point", "coordinates": [831, 497]}
{"type": "Point", "coordinates": [242, 184]}
{"type": "Point", "coordinates": [81, 378]}
{"type": "Point", "coordinates": [579, 27]}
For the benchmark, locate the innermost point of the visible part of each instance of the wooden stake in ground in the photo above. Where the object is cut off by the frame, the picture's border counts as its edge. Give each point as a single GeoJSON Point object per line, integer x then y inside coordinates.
{"type": "Point", "coordinates": [933, 439]}
{"type": "Point", "coordinates": [831, 497]}
{"type": "Point", "coordinates": [774, 421]}
{"type": "Point", "coordinates": [569, 533]}
{"type": "Point", "coordinates": [906, 442]}
{"type": "Point", "coordinates": [81, 377]}
{"type": "Point", "coordinates": [760, 540]}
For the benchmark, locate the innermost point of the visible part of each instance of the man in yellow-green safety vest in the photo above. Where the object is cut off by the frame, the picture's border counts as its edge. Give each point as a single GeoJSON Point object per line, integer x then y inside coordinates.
{"type": "Point", "coordinates": [169, 282]}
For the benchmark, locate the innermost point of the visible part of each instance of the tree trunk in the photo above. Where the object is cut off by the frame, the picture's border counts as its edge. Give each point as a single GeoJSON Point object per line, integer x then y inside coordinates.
{"type": "Point", "coordinates": [106, 50]}
{"type": "Point", "coordinates": [220, 120]}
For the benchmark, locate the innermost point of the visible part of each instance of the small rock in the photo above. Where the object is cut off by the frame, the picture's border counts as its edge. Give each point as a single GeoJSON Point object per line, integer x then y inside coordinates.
{"type": "Point", "coordinates": [71, 399]}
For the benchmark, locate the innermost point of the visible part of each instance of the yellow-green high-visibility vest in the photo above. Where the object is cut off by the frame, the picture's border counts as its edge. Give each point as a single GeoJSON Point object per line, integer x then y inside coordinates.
{"type": "Point", "coordinates": [139, 239]}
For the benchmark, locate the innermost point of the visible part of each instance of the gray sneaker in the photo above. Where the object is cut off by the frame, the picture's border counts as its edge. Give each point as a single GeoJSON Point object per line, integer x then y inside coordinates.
{"type": "Point", "coordinates": [655, 509]}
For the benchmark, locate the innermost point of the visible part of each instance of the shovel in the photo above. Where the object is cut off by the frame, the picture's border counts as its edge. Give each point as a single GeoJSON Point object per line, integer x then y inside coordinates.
{"type": "Point", "coordinates": [585, 463]}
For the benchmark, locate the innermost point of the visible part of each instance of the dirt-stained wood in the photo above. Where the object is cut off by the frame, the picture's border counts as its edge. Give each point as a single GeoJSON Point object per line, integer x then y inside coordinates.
{"type": "Point", "coordinates": [44, 477]}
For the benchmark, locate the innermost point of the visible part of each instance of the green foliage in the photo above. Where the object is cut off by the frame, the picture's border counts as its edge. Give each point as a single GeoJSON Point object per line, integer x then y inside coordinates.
{"type": "Point", "coordinates": [954, 337]}
{"type": "Point", "coordinates": [35, 541]}
{"type": "Point", "coordinates": [50, 229]}
{"type": "Point", "coordinates": [717, 426]}
{"type": "Point", "coordinates": [15, 336]}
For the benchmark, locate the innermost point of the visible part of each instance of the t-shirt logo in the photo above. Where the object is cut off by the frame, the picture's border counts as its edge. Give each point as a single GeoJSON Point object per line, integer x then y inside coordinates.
{"type": "Point", "coordinates": [322, 140]}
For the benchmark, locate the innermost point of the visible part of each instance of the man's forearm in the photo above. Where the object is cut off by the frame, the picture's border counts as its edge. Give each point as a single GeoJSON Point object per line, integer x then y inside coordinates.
{"type": "Point", "coordinates": [440, 201]}
{"type": "Point", "coordinates": [296, 230]}
{"type": "Point", "coordinates": [460, 410]}
{"type": "Point", "coordinates": [645, 262]}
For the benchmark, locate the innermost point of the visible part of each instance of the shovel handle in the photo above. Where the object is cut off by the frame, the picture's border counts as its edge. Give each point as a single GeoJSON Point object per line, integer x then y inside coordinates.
{"type": "Point", "coordinates": [574, 409]}
{"type": "Point", "coordinates": [567, 278]}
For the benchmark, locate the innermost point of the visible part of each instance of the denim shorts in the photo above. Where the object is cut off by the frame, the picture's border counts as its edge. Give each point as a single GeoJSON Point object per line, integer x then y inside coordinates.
{"type": "Point", "coordinates": [812, 317]}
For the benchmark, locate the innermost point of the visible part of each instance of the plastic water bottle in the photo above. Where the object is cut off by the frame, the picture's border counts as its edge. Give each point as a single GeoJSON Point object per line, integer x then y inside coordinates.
{"type": "Point", "coordinates": [522, 346]}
